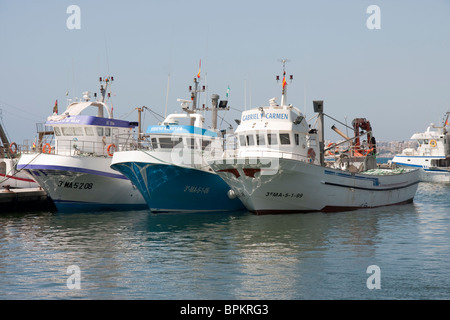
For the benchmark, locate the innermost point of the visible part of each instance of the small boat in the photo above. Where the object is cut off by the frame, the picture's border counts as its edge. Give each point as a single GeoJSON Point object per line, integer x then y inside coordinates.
{"type": "Point", "coordinates": [432, 155]}
{"type": "Point", "coordinates": [74, 167]}
{"type": "Point", "coordinates": [169, 167]}
{"type": "Point", "coordinates": [279, 166]}
{"type": "Point", "coordinates": [10, 176]}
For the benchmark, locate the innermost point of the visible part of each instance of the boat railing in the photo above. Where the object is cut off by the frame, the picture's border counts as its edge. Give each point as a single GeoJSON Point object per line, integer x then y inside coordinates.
{"type": "Point", "coordinates": [14, 150]}
{"type": "Point", "coordinates": [144, 142]}
{"type": "Point", "coordinates": [74, 147]}
{"type": "Point", "coordinates": [134, 141]}
{"type": "Point", "coordinates": [175, 151]}
{"type": "Point", "coordinates": [79, 148]}
{"type": "Point", "coordinates": [230, 154]}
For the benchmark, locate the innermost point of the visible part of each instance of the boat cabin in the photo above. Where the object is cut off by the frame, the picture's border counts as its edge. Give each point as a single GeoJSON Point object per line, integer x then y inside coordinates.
{"type": "Point", "coordinates": [281, 130]}
{"type": "Point", "coordinates": [171, 139]}
{"type": "Point", "coordinates": [77, 134]}
{"type": "Point", "coordinates": [434, 142]}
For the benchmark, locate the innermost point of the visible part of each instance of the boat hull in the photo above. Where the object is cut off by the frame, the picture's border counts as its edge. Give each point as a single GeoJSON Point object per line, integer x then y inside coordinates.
{"type": "Point", "coordinates": [426, 173]}
{"type": "Point", "coordinates": [295, 186]}
{"type": "Point", "coordinates": [167, 187]}
{"type": "Point", "coordinates": [82, 183]}
{"type": "Point", "coordinates": [10, 177]}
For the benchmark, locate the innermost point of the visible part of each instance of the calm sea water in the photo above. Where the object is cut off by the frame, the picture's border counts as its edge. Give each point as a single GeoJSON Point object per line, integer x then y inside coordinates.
{"type": "Point", "coordinates": [139, 255]}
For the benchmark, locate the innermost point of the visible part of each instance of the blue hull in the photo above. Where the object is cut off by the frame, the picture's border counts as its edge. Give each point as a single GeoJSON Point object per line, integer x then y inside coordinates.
{"type": "Point", "coordinates": [170, 188]}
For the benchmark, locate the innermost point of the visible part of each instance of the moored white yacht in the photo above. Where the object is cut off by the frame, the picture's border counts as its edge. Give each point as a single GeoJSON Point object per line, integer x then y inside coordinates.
{"type": "Point", "coordinates": [432, 155]}
{"type": "Point", "coordinates": [279, 167]}
{"type": "Point", "coordinates": [169, 167]}
{"type": "Point", "coordinates": [74, 169]}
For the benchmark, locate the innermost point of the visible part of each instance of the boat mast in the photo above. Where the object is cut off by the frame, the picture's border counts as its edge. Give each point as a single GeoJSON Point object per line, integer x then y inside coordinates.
{"type": "Point", "coordinates": [194, 96]}
{"type": "Point", "coordinates": [318, 108]}
{"type": "Point", "coordinates": [284, 83]}
{"type": "Point", "coordinates": [445, 122]}
{"type": "Point", "coordinates": [103, 93]}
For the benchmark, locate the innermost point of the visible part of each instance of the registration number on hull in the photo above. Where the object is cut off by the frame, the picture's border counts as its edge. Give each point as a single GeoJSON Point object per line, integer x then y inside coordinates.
{"type": "Point", "coordinates": [75, 185]}
{"type": "Point", "coordinates": [284, 194]}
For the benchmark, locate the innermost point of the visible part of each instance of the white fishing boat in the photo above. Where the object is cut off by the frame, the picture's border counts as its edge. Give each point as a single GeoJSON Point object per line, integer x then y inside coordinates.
{"type": "Point", "coordinates": [279, 166]}
{"type": "Point", "coordinates": [432, 155]}
{"type": "Point", "coordinates": [169, 165]}
{"type": "Point", "coordinates": [74, 167]}
{"type": "Point", "coordinates": [10, 176]}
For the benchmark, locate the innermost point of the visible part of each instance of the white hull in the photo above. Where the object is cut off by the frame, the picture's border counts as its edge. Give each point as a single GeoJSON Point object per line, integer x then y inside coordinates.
{"type": "Point", "coordinates": [434, 176]}
{"type": "Point", "coordinates": [82, 183]}
{"type": "Point", "coordinates": [286, 185]}
{"type": "Point", "coordinates": [10, 177]}
{"type": "Point", "coordinates": [426, 173]}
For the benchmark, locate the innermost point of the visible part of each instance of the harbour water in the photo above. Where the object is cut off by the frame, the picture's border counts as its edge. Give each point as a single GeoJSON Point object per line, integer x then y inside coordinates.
{"type": "Point", "coordinates": [138, 255]}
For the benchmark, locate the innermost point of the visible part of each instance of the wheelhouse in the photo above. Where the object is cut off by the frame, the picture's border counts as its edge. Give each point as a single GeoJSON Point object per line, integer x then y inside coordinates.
{"type": "Point", "coordinates": [87, 135]}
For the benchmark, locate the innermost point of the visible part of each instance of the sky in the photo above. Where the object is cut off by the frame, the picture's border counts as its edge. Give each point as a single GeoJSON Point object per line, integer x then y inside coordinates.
{"type": "Point", "coordinates": [396, 76]}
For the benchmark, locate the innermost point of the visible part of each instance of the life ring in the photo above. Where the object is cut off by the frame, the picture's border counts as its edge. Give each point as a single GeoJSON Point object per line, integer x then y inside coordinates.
{"type": "Point", "coordinates": [311, 155]}
{"type": "Point", "coordinates": [112, 145]}
{"type": "Point", "coordinates": [433, 143]}
{"type": "Point", "coordinates": [47, 148]}
{"type": "Point", "coordinates": [13, 147]}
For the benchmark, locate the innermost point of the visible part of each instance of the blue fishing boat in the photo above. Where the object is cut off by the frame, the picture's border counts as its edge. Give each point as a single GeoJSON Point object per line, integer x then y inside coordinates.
{"type": "Point", "coordinates": [169, 165]}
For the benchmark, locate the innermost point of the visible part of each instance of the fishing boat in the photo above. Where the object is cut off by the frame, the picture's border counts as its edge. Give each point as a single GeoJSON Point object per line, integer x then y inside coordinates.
{"type": "Point", "coordinates": [73, 164]}
{"type": "Point", "coordinates": [432, 156]}
{"type": "Point", "coordinates": [169, 165]}
{"type": "Point", "coordinates": [279, 165]}
{"type": "Point", "coordinates": [10, 176]}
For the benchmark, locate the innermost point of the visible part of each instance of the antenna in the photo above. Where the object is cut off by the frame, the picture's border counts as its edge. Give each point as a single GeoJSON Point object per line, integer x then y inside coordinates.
{"type": "Point", "coordinates": [194, 96]}
{"type": "Point", "coordinates": [103, 91]}
{"type": "Point", "coordinates": [245, 94]}
{"type": "Point", "coordinates": [167, 94]}
{"type": "Point", "coordinates": [284, 83]}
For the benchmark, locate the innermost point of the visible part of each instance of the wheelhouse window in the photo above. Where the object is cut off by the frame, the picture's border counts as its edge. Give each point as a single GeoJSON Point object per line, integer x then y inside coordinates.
{"type": "Point", "coordinates": [205, 144]}
{"type": "Point", "coordinates": [154, 143]}
{"type": "Point", "coordinates": [168, 143]}
{"type": "Point", "coordinates": [190, 143]}
{"type": "Point", "coordinates": [67, 131]}
{"type": "Point", "coordinates": [99, 131]}
{"type": "Point", "coordinates": [250, 140]}
{"type": "Point", "coordinates": [78, 131]}
{"type": "Point", "coordinates": [272, 139]}
{"type": "Point", "coordinates": [297, 139]}
{"type": "Point", "coordinates": [57, 131]}
{"type": "Point", "coordinates": [260, 141]}
{"type": "Point", "coordinates": [89, 131]}
{"type": "Point", "coordinates": [107, 132]}
{"type": "Point", "coordinates": [242, 141]}
{"type": "Point", "coordinates": [284, 138]}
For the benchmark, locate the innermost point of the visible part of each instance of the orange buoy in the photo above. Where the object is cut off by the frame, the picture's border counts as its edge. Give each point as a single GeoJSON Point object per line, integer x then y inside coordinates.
{"type": "Point", "coordinates": [13, 147]}
{"type": "Point", "coordinates": [111, 152]}
{"type": "Point", "coordinates": [47, 148]}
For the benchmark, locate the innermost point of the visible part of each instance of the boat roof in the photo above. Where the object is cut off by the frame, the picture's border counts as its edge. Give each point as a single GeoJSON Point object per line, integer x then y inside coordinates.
{"type": "Point", "coordinates": [76, 108]}
{"type": "Point", "coordinates": [73, 116]}
{"type": "Point", "coordinates": [92, 121]}
{"type": "Point", "coordinates": [431, 133]}
{"type": "Point", "coordinates": [269, 118]}
{"type": "Point", "coordinates": [179, 129]}
{"type": "Point", "coordinates": [170, 125]}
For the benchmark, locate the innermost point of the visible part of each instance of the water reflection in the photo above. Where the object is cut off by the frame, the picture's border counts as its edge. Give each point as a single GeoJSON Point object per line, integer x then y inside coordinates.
{"type": "Point", "coordinates": [139, 255]}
